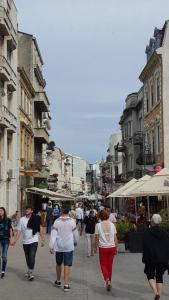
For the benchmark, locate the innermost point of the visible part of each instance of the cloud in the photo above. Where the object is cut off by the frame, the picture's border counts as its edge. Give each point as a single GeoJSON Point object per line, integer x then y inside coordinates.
{"type": "Point", "coordinates": [100, 116]}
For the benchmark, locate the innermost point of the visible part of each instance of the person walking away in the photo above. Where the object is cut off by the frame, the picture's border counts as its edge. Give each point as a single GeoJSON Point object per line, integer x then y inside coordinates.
{"type": "Point", "coordinates": [155, 255]}
{"type": "Point", "coordinates": [106, 240]}
{"type": "Point", "coordinates": [79, 218]}
{"type": "Point", "coordinates": [72, 213]}
{"type": "Point", "coordinates": [64, 236]}
{"type": "Point", "coordinates": [49, 217]}
{"type": "Point", "coordinates": [5, 239]}
{"type": "Point", "coordinates": [30, 227]}
{"type": "Point", "coordinates": [90, 223]}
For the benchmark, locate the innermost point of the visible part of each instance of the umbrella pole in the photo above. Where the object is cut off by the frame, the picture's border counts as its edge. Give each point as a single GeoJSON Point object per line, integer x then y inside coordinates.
{"type": "Point", "coordinates": [148, 208]}
{"type": "Point", "coordinates": [136, 208]}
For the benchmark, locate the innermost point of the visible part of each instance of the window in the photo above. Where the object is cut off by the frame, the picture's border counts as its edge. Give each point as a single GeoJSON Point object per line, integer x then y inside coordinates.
{"type": "Point", "coordinates": [140, 123]}
{"type": "Point", "coordinates": [9, 146]}
{"type": "Point", "coordinates": [129, 128]}
{"type": "Point", "coordinates": [9, 55]}
{"type": "Point", "coordinates": [158, 139]}
{"type": "Point", "coordinates": [147, 103]}
{"type": "Point", "coordinates": [157, 90]}
{"type": "Point", "coordinates": [152, 95]}
{"type": "Point", "coordinates": [116, 155]}
{"type": "Point", "coordinates": [1, 144]}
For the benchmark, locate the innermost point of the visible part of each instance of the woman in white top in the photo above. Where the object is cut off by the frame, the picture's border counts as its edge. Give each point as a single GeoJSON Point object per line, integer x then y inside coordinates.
{"type": "Point", "coordinates": [106, 240]}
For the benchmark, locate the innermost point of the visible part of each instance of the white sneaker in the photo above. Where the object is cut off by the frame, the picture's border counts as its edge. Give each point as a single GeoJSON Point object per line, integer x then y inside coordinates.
{"type": "Point", "coordinates": [31, 277]}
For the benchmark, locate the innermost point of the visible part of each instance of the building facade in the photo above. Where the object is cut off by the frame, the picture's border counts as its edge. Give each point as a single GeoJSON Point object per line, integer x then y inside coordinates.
{"type": "Point", "coordinates": [35, 116]}
{"type": "Point", "coordinates": [131, 145]}
{"type": "Point", "coordinates": [8, 107]}
{"type": "Point", "coordinates": [155, 78]}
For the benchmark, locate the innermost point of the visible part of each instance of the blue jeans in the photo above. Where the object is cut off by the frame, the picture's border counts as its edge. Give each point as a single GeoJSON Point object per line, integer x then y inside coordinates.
{"type": "Point", "coordinates": [4, 245]}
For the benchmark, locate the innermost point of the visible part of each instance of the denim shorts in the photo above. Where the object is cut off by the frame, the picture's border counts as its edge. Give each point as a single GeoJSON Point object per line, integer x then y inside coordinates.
{"type": "Point", "coordinates": [64, 257]}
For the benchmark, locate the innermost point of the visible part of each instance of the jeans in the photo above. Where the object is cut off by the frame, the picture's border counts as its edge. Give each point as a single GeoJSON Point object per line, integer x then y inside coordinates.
{"type": "Point", "coordinates": [4, 245]}
{"type": "Point", "coordinates": [49, 223]}
{"type": "Point", "coordinates": [90, 243]}
{"type": "Point", "coordinates": [30, 253]}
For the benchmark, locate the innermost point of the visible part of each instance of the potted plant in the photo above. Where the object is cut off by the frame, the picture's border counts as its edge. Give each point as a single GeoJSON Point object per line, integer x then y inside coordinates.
{"type": "Point", "coordinates": [123, 227]}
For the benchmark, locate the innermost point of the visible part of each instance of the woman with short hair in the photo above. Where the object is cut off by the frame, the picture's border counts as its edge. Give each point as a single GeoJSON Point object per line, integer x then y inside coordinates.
{"type": "Point", "coordinates": [5, 238]}
{"type": "Point", "coordinates": [155, 255]}
{"type": "Point", "coordinates": [106, 240]}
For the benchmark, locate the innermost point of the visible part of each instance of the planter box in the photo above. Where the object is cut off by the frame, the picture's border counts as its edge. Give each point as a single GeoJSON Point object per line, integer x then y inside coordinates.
{"type": "Point", "coordinates": [135, 242]}
{"type": "Point", "coordinates": [121, 247]}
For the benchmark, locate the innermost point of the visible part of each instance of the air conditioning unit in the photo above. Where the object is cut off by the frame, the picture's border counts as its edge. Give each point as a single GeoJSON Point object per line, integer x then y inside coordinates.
{"type": "Point", "coordinates": [10, 174]}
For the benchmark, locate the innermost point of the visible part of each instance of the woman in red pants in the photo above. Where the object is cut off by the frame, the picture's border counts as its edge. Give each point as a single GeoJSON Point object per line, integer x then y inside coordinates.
{"type": "Point", "coordinates": [106, 240]}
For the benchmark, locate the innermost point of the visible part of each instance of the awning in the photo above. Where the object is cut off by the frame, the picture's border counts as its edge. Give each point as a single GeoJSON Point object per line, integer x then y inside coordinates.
{"type": "Point", "coordinates": [50, 194]}
{"type": "Point", "coordinates": [157, 185]}
{"type": "Point", "coordinates": [118, 192]}
{"type": "Point", "coordinates": [134, 187]}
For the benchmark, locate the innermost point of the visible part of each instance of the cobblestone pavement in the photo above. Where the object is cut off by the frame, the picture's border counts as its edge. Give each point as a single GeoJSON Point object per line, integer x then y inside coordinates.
{"type": "Point", "coordinates": [129, 282]}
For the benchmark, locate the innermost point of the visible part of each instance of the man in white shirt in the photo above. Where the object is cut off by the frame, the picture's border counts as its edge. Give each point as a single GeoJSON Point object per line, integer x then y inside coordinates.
{"type": "Point", "coordinates": [79, 218]}
{"type": "Point", "coordinates": [29, 226]}
{"type": "Point", "coordinates": [63, 238]}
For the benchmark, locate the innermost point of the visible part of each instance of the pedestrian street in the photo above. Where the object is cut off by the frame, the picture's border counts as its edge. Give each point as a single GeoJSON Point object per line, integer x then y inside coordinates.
{"type": "Point", "coordinates": [129, 281]}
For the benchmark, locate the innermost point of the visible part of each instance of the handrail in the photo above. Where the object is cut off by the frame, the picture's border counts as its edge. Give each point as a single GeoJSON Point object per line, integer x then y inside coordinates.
{"type": "Point", "coordinates": [6, 110]}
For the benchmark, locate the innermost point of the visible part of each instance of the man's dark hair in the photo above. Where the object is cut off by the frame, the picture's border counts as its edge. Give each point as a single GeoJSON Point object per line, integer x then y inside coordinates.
{"type": "Point", "coordinates": [65, 209]}
{"type": "Point", "coordinates": [29, 206]}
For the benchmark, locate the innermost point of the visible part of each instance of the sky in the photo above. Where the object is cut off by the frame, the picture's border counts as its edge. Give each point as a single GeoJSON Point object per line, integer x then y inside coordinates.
{"type": "Point", "coordinates": [94, 51]}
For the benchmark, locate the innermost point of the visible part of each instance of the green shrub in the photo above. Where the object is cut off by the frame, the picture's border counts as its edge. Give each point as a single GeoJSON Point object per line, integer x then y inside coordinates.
{"type": "Point", "coordinates": [123, 227]}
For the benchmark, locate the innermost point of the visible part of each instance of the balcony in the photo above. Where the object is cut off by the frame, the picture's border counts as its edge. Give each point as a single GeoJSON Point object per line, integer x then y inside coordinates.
{"type": "Point", "coordinates": [28, 167]}
{"type": "Point", "coordinates": [39, 76]}
{"type": "Point", "coordinates": [138, 138]}
{"type": "Point", "coordinates": [6, 26]}
{"type": "Point", "coordinates": [120, 147]}
{"type": "Point", "coordinates": [41, 134]}
{"type": "Point", "coordinates": [7, 73]}
{"type": "Point", "coordinates": [145, 159]}
{"type": "Point", "coordinates": [41, 99]}
{"type": "Point", "coordinates": [7, 119]}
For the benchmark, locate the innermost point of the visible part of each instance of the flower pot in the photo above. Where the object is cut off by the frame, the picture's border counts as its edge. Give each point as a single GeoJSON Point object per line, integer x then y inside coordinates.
{"type": "Point", "coordinates": [121, 247]}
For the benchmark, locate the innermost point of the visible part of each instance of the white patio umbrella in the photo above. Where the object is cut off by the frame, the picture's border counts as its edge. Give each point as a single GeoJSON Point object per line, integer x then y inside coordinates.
{"type": "Point", "coordinates": [128, 192]}
{"type": "Point", "coordinates": [117, 193]}
{"type": "Point", "coordinates": [95, 197]}
{"type": "Point", "coordinates": [157, 185]}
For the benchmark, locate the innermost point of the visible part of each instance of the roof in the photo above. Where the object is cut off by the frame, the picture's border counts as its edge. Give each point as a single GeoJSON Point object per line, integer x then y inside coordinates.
{"type": "Point", "coordinates": [50, 194]}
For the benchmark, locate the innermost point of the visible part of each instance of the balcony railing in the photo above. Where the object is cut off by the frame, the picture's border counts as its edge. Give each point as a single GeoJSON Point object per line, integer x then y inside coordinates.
{"type": "Point", "coordinates": [120, 147]}
{"type": "Point", "coordinates": [42, 99]}
{"type": "Point", "coordinates": [145, 159]}
{"type": "Point", "coordinates": [6, 71]}
{"type": "Point", "coordinates": [6, 25]}
{"type": "Point", "coordinates": [8, 119]}
{"type": "Point", "coordinates": [32, 166]}
{"type": "Point", "coordinates": [42, 134]}
{"type": "Point", "coordinates": [138, 138]}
